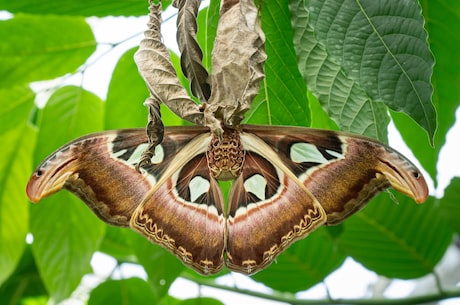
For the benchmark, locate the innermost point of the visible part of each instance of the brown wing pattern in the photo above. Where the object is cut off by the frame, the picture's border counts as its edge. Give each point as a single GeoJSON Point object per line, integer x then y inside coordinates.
{"type": "Point", "coordinates": [341, 170]}
{"type": "Point", "coordinates": [293, 180]}
{"type": "Point", "coordinates": [185, 215]}
{"type": "Point", "coordinates": [158, 201]}
{"type": "Point", "coordinates": [268, 210]}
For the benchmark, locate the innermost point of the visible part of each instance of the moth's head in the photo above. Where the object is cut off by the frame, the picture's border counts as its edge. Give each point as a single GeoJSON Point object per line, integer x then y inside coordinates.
{"type": "Point", "coordinates": [404, 176]}
{"type": "Point", "coordinates": [49, 177]}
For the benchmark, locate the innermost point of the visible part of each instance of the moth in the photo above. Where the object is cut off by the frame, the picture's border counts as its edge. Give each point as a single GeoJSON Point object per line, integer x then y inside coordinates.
{"type": "Point", "coordinates": [287, 181]}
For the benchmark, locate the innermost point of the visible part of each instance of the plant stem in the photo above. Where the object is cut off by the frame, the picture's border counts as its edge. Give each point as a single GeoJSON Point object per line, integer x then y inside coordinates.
{"type": "Point", "coordinates": [291, 299]}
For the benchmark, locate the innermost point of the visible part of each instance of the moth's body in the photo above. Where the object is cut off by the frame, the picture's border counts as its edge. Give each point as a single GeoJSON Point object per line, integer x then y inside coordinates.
{"type": "Point", "coordinates": [226, 155]}
{"type": "Point", "coordinates": [287, 182]}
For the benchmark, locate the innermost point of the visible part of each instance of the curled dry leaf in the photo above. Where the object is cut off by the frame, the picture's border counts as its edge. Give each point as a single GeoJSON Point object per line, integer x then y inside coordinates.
{"type": "Point", "coordinates": [191, 54]}
{"type": "Point", "coordinates": [237, 61]}
{"type": "Point", "coordinates": [154, 64]}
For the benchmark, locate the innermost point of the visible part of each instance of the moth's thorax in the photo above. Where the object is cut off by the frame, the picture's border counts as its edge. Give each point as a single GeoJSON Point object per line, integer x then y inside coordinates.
{"type": "Point", "coordinates": [226, 156]}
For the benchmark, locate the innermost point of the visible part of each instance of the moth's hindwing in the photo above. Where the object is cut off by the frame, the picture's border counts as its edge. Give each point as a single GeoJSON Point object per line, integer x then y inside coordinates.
{"type": "Point", "coordinates": [184, 211]}
{"type": "Point", "coordinates": [342, 171]}
{"type": "Point", "coordinates": [269, 209]}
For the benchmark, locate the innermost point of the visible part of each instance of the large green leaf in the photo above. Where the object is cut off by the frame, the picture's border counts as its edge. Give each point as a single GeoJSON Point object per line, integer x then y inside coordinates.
{"type": "Point", "coordinates": [117, 245]}
{"type": "Point", "coordinates": [15, 107]}
{"type": "Point", "coordinates": [66, 233]}
{"type": "Point", "coordinates": [449, 204]}
{"type": "Point", "coordinates": [304, 264]}
{"type": "Point", "coordinates": [42, 47]}
{"type": "Point", "coordinates": [24, 282]}
{"type": "Point", "coordinates": [207, 29]}
{"type": "Point", "coordinates": [79, 7]}
{"type": "Point", "coordinates": [161, 266]}
{"type": "Point", "coordinates": [127, 92]}
{"type": "Point", "coordinates": [383, 47]}
{"type": "Point", "coordinates": [18, 140]}
{"type": "Point", "coordinates": [132, 291]}
{"type": "Point", "coordinates": [283, 95]}
{"type": "Point", "coordinates": [319, 117]}
{"type": "Point", "coordinates": [344, 98]}
{"type": "Point", "coordinates": [398, 241]}
{"type": "Point", "coordinates": [442, 23]}
{"type": "Point", "coordinates": [200, 301]}
{"type": "Point", "coordinates": [70, 113]}
{"type": "Point", "coordinates": [15, 165]}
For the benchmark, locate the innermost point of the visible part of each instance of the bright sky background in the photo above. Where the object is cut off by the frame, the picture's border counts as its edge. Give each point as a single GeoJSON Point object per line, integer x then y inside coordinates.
{"type": "Point", "coordinates": [96, 79]}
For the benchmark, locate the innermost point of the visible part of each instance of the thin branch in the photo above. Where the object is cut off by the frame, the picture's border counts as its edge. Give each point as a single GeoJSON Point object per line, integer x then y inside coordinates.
{"type": "Point", "coordinates": [291, 299]}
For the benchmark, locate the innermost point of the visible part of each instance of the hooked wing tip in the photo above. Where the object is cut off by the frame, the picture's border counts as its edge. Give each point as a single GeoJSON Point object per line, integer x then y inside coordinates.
{"type": "Point", "coordinates": [413, 184]}
{"type": "Point", "coordinates": [406, 179]}
{"type": "Point", "coordinates": [419, 188]}
{"type": "Point", "coordinates": [32, 189]}
{"type": "Point", "coordinates": [44, 183]}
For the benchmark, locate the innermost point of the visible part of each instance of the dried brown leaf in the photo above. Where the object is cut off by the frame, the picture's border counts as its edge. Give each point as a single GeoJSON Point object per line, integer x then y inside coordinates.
{"type": "Point", "coordinates": [191, 54]}
{"type": "Point", "coordinates": [154, 64]}
{"type": "Point", "coordinates": [237, 61]}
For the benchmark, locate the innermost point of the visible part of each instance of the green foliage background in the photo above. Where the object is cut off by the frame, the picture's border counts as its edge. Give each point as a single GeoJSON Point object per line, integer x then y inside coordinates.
{"type": "Point", "coordinates": [335, 64]}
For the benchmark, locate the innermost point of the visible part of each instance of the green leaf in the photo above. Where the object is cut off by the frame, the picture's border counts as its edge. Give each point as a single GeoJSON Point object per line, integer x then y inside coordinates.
{"type": "Point", "coordinates": [70, 113]}
{"type": "Point", "coordinates": [169, 300]}
{"type": "Point", "coordinates": [344, 99]}
{"type": "Point", "coordinates": [116, 243]}
{"type": "Point", "coordinates": [449, 204]}
{"type": "Point", "coordinates": [66, 233]}
{"type": "Point", "coordinates": [25, 282]}
{"type": "Point", "coordinates": [58, 45]}
{"type": "Point", "coordinates": [127, 92]}
{"type": "Point", "coordinates": [319, 118]}
{"type": "Point", "coordinates": [200, 301]}
{"type": "Point", "coordinates": [133, 291]}
{"type": "Point", "coordinates": [161, 266]}
{"type": "Point", "coordinates": [398, 241]}
{"type": "Point", "coordinates": [15, 107]}
{"type": "Point", "coordinates": [383, 47]}
{"type": "Point", "coordinates": [18, 140]}
{"type": "Point", "coordinates": [15, 165]}
{"type": "Point", "coordinates": [304, 264]}
{"type": "Point", "coordinates": [80, 7]}
{"type": "Point", "coordinates": [442, 21]}
{"type": "Point", "coordinates": [283, 95]}
{"type": "Point", "coordinates": [208, 19]}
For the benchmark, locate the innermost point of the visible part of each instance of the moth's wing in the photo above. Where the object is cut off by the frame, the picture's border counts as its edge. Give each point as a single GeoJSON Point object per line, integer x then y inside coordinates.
{"type": "Point", "coordinates": [269, 208]}
{"type": "Point", "coordinates": [97, 169]}
{"type": "Point", "coordinates": [100, 169]}
{"type": "Point", "coordinates": [342, 170]}
{"type": "Point", "coordinates": [184, 211]}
